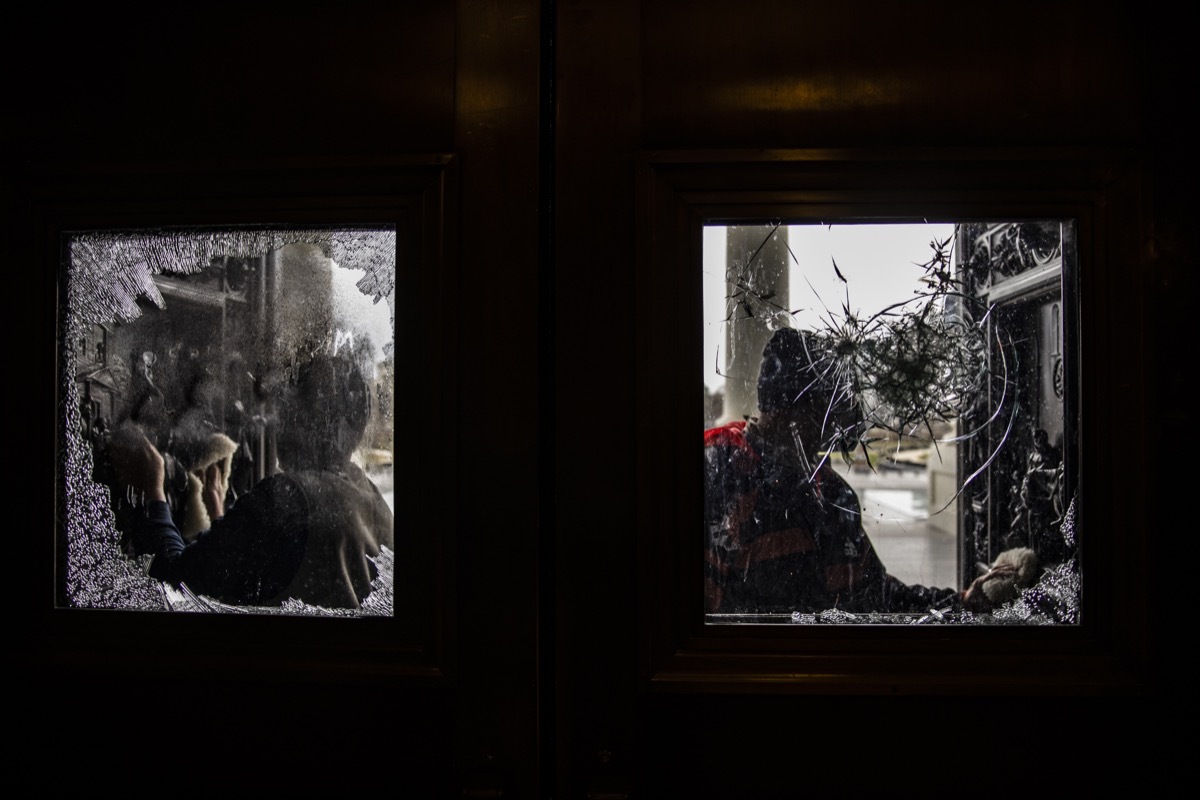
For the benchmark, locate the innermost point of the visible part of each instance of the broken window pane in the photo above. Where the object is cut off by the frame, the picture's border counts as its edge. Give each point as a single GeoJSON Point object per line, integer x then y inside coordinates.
{"type": "Point", "coordinates": [247, 375]}
{"type": "Point", "coordinates": [888, 423]}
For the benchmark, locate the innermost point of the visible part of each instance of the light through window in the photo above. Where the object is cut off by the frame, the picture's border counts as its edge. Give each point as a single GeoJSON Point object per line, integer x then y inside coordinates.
{"type": "Point", "coordinates": [888, 423]}
{"type": "Point", "coordinates": [227, 422]}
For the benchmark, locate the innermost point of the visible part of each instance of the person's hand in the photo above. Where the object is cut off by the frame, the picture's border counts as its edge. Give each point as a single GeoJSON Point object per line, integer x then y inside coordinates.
{"type": "Point", "coordinates": [137, 462]}
{"type": "Point", "coordinates": [214, 491]}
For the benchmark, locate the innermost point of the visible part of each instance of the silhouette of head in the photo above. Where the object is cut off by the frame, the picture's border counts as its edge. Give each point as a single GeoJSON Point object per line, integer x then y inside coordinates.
{"type": "Point", "coordinates": [799, 390]}
{"type": "Point", "coordinates": [323, 413]}
{"type": "Point", "coordinates": [792, 371]}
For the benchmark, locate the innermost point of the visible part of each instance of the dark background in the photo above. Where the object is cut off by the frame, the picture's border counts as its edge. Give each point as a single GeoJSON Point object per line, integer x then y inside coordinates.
{"type": "Point", "coordinates": [544, 698]}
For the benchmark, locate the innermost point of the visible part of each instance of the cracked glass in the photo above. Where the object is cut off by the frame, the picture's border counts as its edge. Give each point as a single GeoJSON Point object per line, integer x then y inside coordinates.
{"type": "Point", "coordinates": [226, 421]}
{"type": "Point", "coordinates": [890, 430]}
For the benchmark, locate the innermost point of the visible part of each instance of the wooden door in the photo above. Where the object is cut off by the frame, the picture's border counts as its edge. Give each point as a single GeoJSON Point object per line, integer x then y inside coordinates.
{"type": "Point", "coordinates": [548, 611]}
{"type": "Point", "coordinates": [681, 104]}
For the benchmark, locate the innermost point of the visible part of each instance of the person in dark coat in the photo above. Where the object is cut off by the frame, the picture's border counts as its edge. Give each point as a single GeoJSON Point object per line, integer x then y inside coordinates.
{"type": "Point", "coordinates": [308, 533]}
{"type": "Point", "coordinates": [783, 530]}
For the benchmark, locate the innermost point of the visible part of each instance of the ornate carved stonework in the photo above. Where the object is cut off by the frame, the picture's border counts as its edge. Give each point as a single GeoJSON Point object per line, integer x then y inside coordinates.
{"type": "Point", "coordinates": [1016, 268]}
{"type": "Point", "coordinates": [1037, 511]}
{"type": "Point", "coordinates": [1007, 249]}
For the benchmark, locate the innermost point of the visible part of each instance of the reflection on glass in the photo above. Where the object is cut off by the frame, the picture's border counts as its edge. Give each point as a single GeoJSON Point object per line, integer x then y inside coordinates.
{"type": "Point", "coordinates": [227, 422]}
{"type": "Point", "coordinates": [886, 428]}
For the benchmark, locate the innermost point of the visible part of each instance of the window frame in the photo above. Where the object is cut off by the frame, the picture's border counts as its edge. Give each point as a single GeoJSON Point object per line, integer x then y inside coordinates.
{"type": "Point", "coordinates": [419, 196]}
{"type": "Point", "coordinates": [681, 191]}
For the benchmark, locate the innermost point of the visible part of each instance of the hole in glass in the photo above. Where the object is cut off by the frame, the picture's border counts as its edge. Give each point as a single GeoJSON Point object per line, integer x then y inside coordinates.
{"type": "Point", "coordinates": [227, 421]}
{"type": "Point", "coordinates": [888, 431]}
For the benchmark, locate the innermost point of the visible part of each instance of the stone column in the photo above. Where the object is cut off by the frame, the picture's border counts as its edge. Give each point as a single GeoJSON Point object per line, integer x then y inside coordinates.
{"type": "Point", "coordinates": [757, 263]}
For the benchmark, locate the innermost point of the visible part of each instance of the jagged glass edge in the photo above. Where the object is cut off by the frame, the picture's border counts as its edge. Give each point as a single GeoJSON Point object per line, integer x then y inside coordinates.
{"type": "Point", "coordinates": [106, 274]}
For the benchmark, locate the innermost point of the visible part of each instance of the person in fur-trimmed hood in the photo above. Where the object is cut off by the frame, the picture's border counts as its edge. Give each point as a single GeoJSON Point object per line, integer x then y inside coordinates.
{"type": "Point", "coordinates": [308, 533]}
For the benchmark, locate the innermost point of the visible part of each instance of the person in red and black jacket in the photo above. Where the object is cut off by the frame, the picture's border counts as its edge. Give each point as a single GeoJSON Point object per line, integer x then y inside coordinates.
{"type": "Point", "coordinates": [784, 530]}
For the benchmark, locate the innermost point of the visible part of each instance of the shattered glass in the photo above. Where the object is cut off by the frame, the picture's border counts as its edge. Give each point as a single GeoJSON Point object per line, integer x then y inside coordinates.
{"type": "Point", "coordinates": [114, 281]}
{"type": "Point", "coordinates": [889, 424]}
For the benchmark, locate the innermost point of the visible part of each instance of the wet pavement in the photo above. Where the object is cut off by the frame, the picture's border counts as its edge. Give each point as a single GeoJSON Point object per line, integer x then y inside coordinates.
{"type": "Point", "coordinates": [895, 518]}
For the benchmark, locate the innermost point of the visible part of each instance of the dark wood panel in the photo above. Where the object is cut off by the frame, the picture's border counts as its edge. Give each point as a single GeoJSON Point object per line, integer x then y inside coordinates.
{"type": "Point", "coordinates": [771, 73]}
{"type": "Point", "coordinates": [181, 84]}
{"type": "Point", "coordinates": [599, 116]}
{"type": "Point", "coordinates": [495, 436]}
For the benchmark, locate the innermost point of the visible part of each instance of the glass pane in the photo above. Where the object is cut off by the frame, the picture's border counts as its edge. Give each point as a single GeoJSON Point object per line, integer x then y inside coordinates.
{"type": "Point", "coordinates": [887, 436]}
{"type": "Point", "coordinates": [227, 421]}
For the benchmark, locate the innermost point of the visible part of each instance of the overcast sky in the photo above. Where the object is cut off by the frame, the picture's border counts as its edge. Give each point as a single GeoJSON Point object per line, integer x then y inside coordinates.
{"type": "Point", "coordinates": [358, 313]}
{"type": "Point", "coordinates": [880, 263]}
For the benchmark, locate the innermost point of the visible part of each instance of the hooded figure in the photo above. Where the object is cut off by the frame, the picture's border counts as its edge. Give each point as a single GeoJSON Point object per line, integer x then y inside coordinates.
{"type": "Point", "coordinates": [783, 530]}
{"type": "Point", "coordinates": [309, 533]}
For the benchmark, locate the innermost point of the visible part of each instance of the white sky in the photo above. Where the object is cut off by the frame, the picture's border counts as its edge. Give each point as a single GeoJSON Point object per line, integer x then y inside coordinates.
{"type": "Point", "coordinates": [880, 263]}
{"type": "Point", "coordinates": [356, 312]}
